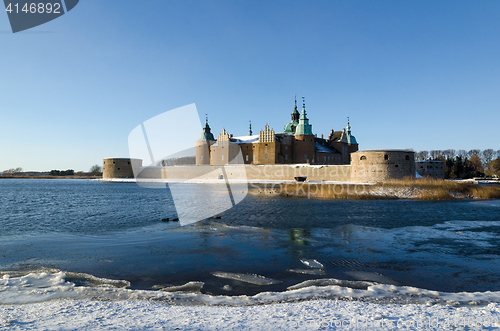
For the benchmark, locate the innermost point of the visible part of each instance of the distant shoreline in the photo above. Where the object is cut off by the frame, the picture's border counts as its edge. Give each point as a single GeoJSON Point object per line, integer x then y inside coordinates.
{"type": "Point", "coordinates": [50, 177]}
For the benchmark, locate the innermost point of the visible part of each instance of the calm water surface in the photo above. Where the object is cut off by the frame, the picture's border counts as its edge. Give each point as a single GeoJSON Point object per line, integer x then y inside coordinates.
{"type": "Point", "coordinates": [114, 230]}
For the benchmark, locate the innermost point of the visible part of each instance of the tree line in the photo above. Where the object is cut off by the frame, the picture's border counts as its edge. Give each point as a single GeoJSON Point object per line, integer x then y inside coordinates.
{"type": "Point", "coordinates": [465, 164]}
{"type": "Point", "coordinates": [95, 170]}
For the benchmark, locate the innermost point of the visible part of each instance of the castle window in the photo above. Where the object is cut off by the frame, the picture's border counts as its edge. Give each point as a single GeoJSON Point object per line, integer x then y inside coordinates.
{"type": "Point", "coordinates": [286, 147]}
{"type": "Point", "coordinates": [254, 158]}
{"type": "Point", "coordinates": [201, 157]}
{"type": "Point", "coordinates": [407, 157]}
{"type": "Point", "coordinates": [128, 162]}
{"type": "Point", "coordinates": [386, 157]}
{"type": "Point", "coordinates": [222, 157]}
{"type": "Point", "coordinates": [246, 157]}
{"type": "Point", "coordinates": [305, 156]}
{"type": "Point", "coordinates": [118, 168]}
{"type": "Point", "coordinates": [396, 166]}
{"type": "Point", "coordinates": [364, 157]}
{"type": "Point", "coordinates": [113, 162]}
{"type": "Point", "coordinates": [295, 157]}
{"type": "Point", "coordinates": [266, 145]}
{"type": "Point", "coordinates": [265, 156]}
{"type": "Point", "coordinates": [286, 157]}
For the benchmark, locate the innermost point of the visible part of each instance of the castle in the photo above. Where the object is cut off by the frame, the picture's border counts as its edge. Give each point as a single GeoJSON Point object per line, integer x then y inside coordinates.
{"type": "Point", "coordinates": [296, 144]}
{"type": "Point", "coordinates": [296, 152]}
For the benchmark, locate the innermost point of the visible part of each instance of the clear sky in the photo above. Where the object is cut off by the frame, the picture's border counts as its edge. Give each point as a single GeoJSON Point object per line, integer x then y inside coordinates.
{"type": "Point", "coordinates": [409, 74]}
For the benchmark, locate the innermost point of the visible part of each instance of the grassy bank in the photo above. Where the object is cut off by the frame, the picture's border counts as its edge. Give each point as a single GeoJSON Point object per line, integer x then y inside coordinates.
{"type": "Point", "coordinates": [421, 189]}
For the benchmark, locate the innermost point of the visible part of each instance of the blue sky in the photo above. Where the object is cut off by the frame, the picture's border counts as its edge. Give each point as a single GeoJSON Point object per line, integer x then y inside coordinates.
{"type": "Point", "coordinates": [409, 74]}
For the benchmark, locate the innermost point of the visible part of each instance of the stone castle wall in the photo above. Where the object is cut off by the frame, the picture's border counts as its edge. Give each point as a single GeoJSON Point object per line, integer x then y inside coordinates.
{"type": "Point", "coordinates": [376, 166]}
{"type": "Point", "coordinates": [120, 167]}
{"type": "Point", "coordinates": [366, 167]}
{"type": "Point", "coordinates": [433, 169]}
{"type": "Point", "coordinates": [261, 172]}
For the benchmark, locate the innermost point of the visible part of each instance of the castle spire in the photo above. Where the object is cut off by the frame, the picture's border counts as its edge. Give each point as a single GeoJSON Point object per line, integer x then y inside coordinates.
{"type": "Point", "coordinates": [206, 134]}
{"type": "Point", "coordinates": [250, 129]}
{"type": "Point", "coordinates": [303, 114]}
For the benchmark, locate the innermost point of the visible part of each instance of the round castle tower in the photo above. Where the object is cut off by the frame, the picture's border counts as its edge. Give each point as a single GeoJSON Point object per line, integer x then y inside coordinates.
{"type": "Point", "coordinates": [380, 165]}
{"type": "Point", "coordinates": [120, 167]}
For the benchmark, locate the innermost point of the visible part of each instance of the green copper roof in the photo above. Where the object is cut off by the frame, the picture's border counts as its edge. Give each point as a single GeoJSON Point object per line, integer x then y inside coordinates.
{"type": "Point", "coordinates": [304, 128]}
{"type": "Point", "coordinates": [350, 138]}
{"type": "Point", "coordinates": [290, 127]}
{"type": "Point", "coordinates": [206, 134]}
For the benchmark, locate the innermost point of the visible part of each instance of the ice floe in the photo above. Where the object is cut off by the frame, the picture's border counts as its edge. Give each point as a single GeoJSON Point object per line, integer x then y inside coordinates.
{"type": "Point", "coordinates": [312, 263]}
{"type": "Point", "coordinates": [371, 276]}
{"type": "Point", "coordinates": [307, 271]}
{"type": "Point", "coordinates": [190, 287]}
{"type": "Point", "coordinates": [246, 278]}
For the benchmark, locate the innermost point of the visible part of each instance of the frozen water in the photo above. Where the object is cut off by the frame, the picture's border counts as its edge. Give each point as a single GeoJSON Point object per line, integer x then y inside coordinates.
{"type": "Point", "coordinates": [331, 281]}
{"type": "Point", "coordinates": [307, 271]}
{"type": "Point", "coordinates": [191, 287]}
{"type": "Point", "coordinates": [312, 263]}
{"type": "Point", "coordinates": [246, 278]}
{"type": "Point", "coordinates": [370, 276]}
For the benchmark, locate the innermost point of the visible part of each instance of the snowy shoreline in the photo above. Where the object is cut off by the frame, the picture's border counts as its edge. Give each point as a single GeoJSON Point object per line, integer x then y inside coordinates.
{"type": "Point", "coordinates": [48, 301]}
{"type": "Point", "coordinates": [306, 315]}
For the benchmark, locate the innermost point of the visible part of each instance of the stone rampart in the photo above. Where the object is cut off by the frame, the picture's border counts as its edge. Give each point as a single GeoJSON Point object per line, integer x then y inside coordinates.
{"type": "Point", "coordinates": [381, 165]}
{"type": "Point", "coordinates": [120, 167]}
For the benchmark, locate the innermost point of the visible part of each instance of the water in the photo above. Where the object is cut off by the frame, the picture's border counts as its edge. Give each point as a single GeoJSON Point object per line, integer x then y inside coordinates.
{"type": "Point", "coordinates": [114, 231]}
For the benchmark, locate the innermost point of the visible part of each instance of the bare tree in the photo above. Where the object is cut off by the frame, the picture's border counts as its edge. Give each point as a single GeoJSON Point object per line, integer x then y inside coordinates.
{"type": "Point", "coordinates": [96, 170]}
{"type": "Point", "coordinates": [13, 171]}
{"type": "Point", "coordinates": [435, 154]}
{"type": "Point", "coordinates": [450, 154]}
{"type": "Point", "coordinates": [472, 152]}
{"type": "Point", "coordinates": [463, 154]}
{"type": "Point", "coordinates": [421, 156]}
{"type": "Point", "coordinates": [487, 156]}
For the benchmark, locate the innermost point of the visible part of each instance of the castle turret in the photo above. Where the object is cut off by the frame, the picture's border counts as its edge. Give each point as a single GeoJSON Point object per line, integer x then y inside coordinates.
{"type": "Point", "coordinates": [290, 127]}
{"type": "Point", "coordinates": [203, 144]}
{"type": "Point", "coordinates": [303, 128]}
{"type": "Point", "coordinates": [304, 140]}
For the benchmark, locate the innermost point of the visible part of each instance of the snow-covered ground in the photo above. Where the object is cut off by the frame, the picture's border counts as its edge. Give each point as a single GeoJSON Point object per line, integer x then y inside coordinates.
{"type": "Point", "coordinates": [306, 315]}
{"type": "Point", "coordinates": [49, 302]}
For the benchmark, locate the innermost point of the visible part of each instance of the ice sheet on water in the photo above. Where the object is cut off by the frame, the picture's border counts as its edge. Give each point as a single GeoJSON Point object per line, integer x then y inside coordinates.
{"type": "Point", "coordinates": [190, 287]}
{"type": "Point", "coordinates": [312, 263]}
{"type": "Point", "coordinates": [370, 276]}
{"type": "Point", "coordinates": [307, 271]}
{"type": "Point", "coordinates": [93, 281]}
{"type": "Point", "coordinates": [331, 281]}
{"type": "Point", "coordinates": [41, 287]}
{"type": "Point", "coordinates": [247, 278]}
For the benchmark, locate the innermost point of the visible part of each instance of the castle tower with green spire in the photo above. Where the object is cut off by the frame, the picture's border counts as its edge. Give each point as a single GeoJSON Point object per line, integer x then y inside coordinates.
{"type": "Point", "coordinates": [303, 128]}
{"type": "Point", "coordinates": [290, 127]}
{"type": "Point", "coordinates": [203, 144]}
